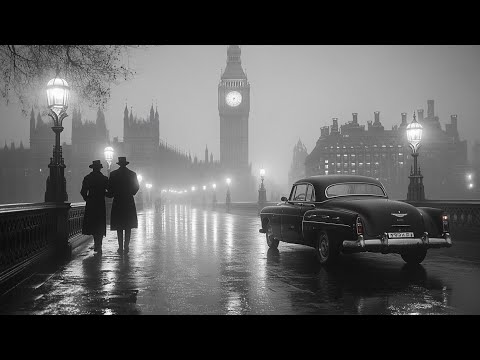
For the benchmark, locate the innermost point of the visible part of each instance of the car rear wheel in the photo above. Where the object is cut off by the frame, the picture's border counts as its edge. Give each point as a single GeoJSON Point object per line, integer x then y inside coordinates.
{"type": "Point", "coordinates": [326, 249]}
{"type": "Point", "coordinates": [271, 241]}
{"type": "Point", "coordinates": [414, 256]}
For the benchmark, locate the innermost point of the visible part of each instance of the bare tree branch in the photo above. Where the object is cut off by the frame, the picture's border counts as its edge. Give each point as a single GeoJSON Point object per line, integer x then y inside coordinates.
{"type": "Point", "coordinates": [90, 70]}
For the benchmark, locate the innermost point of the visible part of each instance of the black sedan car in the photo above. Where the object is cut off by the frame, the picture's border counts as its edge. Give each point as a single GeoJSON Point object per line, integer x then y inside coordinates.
{"type": "Point", "coordinates": [348, 213]}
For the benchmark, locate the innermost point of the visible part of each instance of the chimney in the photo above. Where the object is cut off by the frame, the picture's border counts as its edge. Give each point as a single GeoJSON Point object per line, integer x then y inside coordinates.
{"type": "Point", "coordinates": [335, 125]}
{"type": "Point", "coordinates": [404, 118]}
{"type": "Point", "coordinates": [430, 110]}
{"type": "Point", "coordinates": [355, 120]}
{"type": "Point", "coordinates": [420, 115]}
{"type": "Point", "coordinates": [324, 131]}
{"type": "Point", "coordinates": [377, 117]}
{"type": "Point", "coordinates": [453, 120]}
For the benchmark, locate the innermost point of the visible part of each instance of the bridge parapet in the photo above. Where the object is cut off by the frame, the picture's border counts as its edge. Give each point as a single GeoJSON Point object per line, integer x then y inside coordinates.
{"type": "Point", "coordinates": [30, 231]}
{"type": "Point", "coordinates": [460, 212]}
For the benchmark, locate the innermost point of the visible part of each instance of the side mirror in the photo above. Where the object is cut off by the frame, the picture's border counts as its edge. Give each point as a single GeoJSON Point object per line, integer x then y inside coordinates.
{"type": "Point", "coordinates": [284, 198]}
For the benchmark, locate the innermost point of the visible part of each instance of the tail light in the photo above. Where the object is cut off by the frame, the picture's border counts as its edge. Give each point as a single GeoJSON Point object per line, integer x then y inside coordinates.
{"type": "Point", "coordinates": [445, 224]}
{"type": "Point", "coordinates": [359, 226]}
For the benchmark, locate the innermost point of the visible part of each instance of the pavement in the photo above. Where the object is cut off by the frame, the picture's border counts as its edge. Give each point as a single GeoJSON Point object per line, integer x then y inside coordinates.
{"type": "Point", "coordinates": [185, 260]}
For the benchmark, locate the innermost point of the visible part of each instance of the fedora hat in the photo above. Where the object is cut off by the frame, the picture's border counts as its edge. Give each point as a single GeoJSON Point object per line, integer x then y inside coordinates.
{"type": "Point", "coordinates": [122, 160]}
{"type": "Point", "coordinates": [96, 164]}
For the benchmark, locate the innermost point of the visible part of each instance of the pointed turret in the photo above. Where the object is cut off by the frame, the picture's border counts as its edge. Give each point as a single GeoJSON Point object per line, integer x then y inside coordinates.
{"type": "Point", "coordinates": [39, 120]}
{"type": "Point", "coordinates": [131, 116]}
{"type": "Point", "coordinates": [206, 154]}
{"type": "Point", "coordinates": [32, 123]}
{"type": "Point", "coordinates": [152, 115]}
{"type": "Point", "coordinates": [234, 70]}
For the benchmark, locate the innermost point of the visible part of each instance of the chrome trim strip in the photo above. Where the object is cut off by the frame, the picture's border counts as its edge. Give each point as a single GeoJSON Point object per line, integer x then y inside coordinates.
{"type": "Point", "coordinates": [395, 242]}
{"type": "Point", "coordinates": [322, 222]}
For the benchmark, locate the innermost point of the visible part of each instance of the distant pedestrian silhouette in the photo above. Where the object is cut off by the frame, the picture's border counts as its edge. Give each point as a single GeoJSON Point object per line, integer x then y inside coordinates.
{"type": "Point", "coordinates": [122, 186]}
{"type": "Point", "coordinates": [94, 187]}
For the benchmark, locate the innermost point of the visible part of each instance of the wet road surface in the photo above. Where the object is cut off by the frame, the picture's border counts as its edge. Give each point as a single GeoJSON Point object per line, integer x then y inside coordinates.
{"type": "Point", "coordinates": [184, 260]}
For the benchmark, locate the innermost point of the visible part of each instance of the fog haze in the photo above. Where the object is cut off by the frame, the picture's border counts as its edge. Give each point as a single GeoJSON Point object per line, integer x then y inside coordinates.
{"type": "Point", "coordinates": [295, 90]}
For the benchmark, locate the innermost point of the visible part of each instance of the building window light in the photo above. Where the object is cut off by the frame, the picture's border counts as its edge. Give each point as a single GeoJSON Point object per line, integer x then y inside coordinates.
{"type": "Point", "coordinates": [326, 161]}
{"type": "Point", "coordinates": [326, 172]}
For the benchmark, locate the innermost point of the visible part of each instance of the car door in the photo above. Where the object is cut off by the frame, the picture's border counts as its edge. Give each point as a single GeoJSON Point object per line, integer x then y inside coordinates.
{"type": "Point", "coordinates": [292, 215]}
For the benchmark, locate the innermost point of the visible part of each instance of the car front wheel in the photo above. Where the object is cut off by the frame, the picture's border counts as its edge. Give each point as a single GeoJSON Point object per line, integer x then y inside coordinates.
{"type": "Point", "coordinates": [271, 241]}
{"type": "Point", "coordinates": [326, 249]}
{"type": "Point", "coordinates": [414, 256]}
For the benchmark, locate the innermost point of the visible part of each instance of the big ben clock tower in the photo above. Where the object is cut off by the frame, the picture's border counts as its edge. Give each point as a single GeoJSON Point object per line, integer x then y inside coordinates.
{"type": "Point", "coordinates": [234, 108]}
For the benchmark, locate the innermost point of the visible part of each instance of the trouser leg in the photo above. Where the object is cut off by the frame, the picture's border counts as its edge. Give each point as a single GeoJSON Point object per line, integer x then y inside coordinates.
{"type": "Point", "coordinates": [98, 242]}
{"type": "Point", "coordinates": [128, 233]}
{"type": "Point", "coordinates": [120, 239]}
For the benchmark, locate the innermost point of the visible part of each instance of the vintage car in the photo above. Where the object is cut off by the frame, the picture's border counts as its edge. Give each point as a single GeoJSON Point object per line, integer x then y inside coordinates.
{"type": "Point", "coordinates": [347, 214]}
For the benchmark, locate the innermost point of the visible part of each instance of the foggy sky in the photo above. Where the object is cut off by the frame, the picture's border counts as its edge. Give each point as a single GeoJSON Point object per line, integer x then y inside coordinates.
{"type": "Point", "coordinates": [295, 90]}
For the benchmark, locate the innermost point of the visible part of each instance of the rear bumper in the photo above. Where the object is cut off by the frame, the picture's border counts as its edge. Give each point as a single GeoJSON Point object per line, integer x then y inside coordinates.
{"type": "Point", "coordinates": [386, 245]}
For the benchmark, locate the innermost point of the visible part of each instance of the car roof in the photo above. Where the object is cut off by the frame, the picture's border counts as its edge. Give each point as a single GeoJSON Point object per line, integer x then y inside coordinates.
{"type": "Point", "coordinates": [325, 180]}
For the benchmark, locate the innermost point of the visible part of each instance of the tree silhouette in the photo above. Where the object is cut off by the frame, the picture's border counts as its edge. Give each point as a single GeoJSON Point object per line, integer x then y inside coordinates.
{"type": "Point", "coordinates": [90, 70]}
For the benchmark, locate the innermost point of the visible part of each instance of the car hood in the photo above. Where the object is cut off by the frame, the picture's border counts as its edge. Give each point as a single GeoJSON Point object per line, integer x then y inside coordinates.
{"type": "Point", "coordinates": [381, 214]}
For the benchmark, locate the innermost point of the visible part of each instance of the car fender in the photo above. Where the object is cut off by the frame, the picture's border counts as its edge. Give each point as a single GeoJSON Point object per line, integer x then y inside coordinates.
{"type": "Point", "coordinates": [432, 220]}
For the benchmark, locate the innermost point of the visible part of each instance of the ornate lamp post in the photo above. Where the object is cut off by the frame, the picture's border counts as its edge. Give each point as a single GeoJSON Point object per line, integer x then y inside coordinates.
{"type": "Point", "coordinates": [262, 192]}
{"type": "Point", "coordinates": [58, 95]}
{"type": "Point", "coordinates": [415, 188]}
{"type": "Point", "coordinates": [140, 192]}
{"type": "Point", "coordinates": [228, 199]}
{"type": "Point", "coordinates": [214, 195]}
{"type": "Point", "coordinates": [108, 158]}
{"type": "Point", "coordinates": [204, 201]}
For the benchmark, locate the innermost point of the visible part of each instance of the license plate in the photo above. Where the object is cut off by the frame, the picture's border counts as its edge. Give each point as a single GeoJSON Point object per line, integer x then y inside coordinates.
{"type": "Point", "coordinates": [400, 235]}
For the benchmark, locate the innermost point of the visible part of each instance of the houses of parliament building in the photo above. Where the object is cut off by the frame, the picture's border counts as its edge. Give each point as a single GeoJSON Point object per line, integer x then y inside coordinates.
{"type": "Point", "coordinates": [24, 171]}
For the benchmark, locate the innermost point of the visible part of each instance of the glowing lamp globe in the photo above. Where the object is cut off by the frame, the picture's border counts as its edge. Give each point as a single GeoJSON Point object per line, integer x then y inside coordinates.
{"type": "Point", "coordinates": [229, 181]}
{"type": "Point", "coordinates": [262, 172]}
{"type": "Point", "coordinates": [414, 134]}
{"type": "Point", "coordinates": [139, 178]}
{"type": "Point", "coordinates": [58, 95]}
{"type": "Point", "coordinates": [108, 154]}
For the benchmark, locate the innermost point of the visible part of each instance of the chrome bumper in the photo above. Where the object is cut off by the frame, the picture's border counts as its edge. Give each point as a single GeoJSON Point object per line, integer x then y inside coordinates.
{"type": "Point", "coordinates": [386, 245]}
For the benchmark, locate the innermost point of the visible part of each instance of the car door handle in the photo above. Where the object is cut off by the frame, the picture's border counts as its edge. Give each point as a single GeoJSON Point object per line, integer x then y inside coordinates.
{"type": "Point", "coordinates": [292, 227]}
{"type": "Point", "coordinates": [336, 218]}
{"type": "Point", "coordinates": [324, 216]}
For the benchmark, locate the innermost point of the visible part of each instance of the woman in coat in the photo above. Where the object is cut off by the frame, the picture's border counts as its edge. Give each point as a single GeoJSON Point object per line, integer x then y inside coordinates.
{"type": "Point", "coordinates": [94, 187]}
{"type": "Point", "coordinates": [122, 186]}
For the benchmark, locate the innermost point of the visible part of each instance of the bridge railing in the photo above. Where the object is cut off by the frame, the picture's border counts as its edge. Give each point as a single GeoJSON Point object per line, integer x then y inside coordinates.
{"type": "Point", "coordinates": [28, 231]}
{"type": "Point", "coordinates": [460, 212]}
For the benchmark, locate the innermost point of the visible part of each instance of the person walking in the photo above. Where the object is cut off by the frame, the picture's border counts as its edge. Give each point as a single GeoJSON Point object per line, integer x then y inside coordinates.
{"type": "Point", "coordinates": [122, 186]}
{"type": "Point", "coordinates": [94, 187]}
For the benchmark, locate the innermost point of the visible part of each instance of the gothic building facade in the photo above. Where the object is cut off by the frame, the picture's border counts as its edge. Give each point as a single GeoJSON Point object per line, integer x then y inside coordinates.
{"type": "Point", "coordinates": [385, 154]}
{"type": "Point", "coordinates": [297, 167]}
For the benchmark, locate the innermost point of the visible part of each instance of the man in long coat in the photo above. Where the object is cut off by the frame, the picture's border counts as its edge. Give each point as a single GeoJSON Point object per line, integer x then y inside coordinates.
{"type": "Point", "coordinates": [123, 185]}
{"type": "Point", "coordinates": [94, 187]}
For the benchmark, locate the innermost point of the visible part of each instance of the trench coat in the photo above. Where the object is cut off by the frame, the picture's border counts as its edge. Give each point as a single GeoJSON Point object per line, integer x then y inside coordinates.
{"type": "Point", "coordinates": [122, 186]}
{"type": "Point", "coordinates": [93, 191]}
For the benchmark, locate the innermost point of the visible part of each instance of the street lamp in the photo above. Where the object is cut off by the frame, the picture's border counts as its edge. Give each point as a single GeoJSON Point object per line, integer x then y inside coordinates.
{"type": "Point", "coordinates": [58, 95]}
{"type": "Point", "coordinates": [140, 192]}
{"type": "Point", "coordinates": [228, 200]}
{"type": "Point", "coordinates": [214, 196]}
{"type": "Point", "coordinates": [108, 158]}
{"type": "Point", "coordinates": [415, 188]}
{"type": "Point", "coordinates": [204, 201]}
{"type": "Point", "coordinates": [262, 192]}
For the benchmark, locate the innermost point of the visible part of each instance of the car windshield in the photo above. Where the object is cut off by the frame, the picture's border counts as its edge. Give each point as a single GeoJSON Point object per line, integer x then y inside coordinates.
{"type": "Point", "coordinates": [345, 189]}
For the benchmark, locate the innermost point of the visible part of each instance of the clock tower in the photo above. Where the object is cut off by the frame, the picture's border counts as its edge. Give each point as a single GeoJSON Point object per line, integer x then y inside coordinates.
{"type": "Point", "coordinates": [234, 108]}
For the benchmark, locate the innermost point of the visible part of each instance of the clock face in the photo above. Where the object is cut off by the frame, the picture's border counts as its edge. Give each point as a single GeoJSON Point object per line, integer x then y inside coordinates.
{"type": "Point", "coordinates": [233, 98]}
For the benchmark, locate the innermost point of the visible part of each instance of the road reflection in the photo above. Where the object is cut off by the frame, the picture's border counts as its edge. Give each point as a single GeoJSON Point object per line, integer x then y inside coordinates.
{"type": "Point", "coordinates": [358, 284]}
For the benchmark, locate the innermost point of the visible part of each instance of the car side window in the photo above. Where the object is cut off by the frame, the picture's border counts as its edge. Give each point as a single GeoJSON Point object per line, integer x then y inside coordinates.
{"type": "Point", "coordinates": [310, 195]}
{"type": "Point", "coordinates": [300, 192]}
